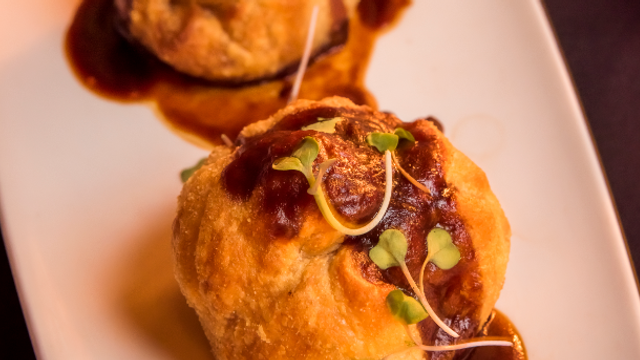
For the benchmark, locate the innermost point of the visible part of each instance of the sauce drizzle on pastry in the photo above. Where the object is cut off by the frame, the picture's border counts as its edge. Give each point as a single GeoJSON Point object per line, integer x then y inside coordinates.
{"type": "Point", "coordinates": [199, 110]}
{"type": "Point", "coordinates": [355, 186]}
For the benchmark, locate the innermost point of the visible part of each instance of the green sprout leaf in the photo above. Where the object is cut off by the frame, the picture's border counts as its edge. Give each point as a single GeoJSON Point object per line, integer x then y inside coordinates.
{"type": "Point", "coordinates": [307, 151]}
{"type": "Point", "coordinates": [382, 141]}
{"type": "Point", "coordinates": [288, 163]}
{"type": "Point", "coordinates": [441, 250]}
{"type": "Point", "coordinates": [391, 249]}
{"type": "Point", "coordinates": [405, 308]}
{"type": "Point", "coordinates": [325, 125]}
{"type": "Point", "coordinates": [188, 172]}
{"type": "Point", "coordinates": [404, 134]}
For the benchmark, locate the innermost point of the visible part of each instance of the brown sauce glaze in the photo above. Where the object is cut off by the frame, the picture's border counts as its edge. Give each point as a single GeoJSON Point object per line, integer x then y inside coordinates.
{"type": "Point", "coordinates": [378, 13]}
{"type": "Point", "coordinates": [355, 191]}
{"type": "Point", "coordinates": [415, 213]}
{"type": "Point", "coordinates": [355, 188]}
{"type": "Point", "coordinates": [114, 67]}
{"type": "Point", "coordinates": [499, 326]}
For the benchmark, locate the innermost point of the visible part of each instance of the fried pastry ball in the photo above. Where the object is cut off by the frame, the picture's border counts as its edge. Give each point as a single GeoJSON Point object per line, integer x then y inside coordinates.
{"type": "Point", "coordinates": [234, 40]}
{"type": "Point", "coordinates": [271, 279]}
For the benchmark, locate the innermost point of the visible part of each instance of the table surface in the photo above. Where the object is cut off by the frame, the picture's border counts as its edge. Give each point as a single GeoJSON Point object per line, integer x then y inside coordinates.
{"type": "Point", "coordinates": [601, 43]}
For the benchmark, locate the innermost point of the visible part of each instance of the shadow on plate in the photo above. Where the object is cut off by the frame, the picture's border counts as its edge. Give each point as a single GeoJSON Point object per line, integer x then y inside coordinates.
{"type": "Point", "coordinates": [152, 301]}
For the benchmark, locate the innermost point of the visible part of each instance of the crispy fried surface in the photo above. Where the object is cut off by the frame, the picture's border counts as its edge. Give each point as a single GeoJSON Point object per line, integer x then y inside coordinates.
{"type": "Point", "coordinates": [485, 222]}
{"type": "Point", "coordinates": [306, 296]}
{"type": "Point", "coordinates": [234, 40]}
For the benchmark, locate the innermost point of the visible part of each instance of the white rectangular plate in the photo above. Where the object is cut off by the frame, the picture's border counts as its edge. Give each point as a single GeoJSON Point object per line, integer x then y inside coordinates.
{"type": "Point", "coordinates": [88, 186]}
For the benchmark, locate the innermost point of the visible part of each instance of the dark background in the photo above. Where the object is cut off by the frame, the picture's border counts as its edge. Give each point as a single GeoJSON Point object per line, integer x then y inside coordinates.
{"type": "Point", "coordinates": [601, 43]}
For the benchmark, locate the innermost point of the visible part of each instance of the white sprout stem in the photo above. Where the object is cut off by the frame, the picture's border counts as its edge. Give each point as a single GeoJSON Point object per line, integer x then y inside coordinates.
{"type": "Point", "coordinates": [424, 266]}
{"type": "Point", "coordinates": [226, 140]}
{"type": "Point", "coordinates": [466, 345]}
{"type": "Point", "coordinates": [461, 346]}
{"type": "Point", "coordinates": [417, 340]}
{"type": "Point", "coordinates": [425, 303]}
{"type": "Point", "coordinates": [321, 171]}
{"type": "Point", "coordinates": [409, 177]}
{"type": "Point", "coordinates": [328, 215]}
{"type": "Point", "coordinates": [305, 56]}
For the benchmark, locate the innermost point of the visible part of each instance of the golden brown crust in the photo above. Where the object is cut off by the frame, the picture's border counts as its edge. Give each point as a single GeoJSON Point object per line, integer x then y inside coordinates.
{"type": "Point", "coordinates": [484, 220]}
{"type": "Point", "coordinates": [233, 40]}
{"type": "Point", "coordinates": [305, 297]}
{"type": "Point", "coordinates": [261, 127]}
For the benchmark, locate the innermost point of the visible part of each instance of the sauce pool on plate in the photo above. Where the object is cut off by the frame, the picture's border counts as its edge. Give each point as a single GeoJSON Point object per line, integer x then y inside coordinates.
{"type": "Point", "coordinates": [114, 67]}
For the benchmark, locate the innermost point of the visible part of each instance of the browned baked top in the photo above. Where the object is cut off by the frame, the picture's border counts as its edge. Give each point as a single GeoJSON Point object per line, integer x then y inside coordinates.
{"type": "Point", "coordinates": [355, 188]}
{"type": "Point", "coordinates": [244, 228]}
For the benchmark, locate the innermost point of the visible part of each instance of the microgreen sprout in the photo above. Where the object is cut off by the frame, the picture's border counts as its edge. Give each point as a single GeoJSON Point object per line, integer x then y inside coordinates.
{"type": "Point", "coordinates": [305, 55]}
{"type": "Point", "coordinates": [404, 134]}
{"type": "Point", "coordinates": [226, 140]}
{"type": "Point", "coordinates": [409, 177]}
{"type": "Point", "coordinates": [186, 173]}
{"type": "Point", "coordinates": [302, 160]}
{"type": "Point", "coordinates": [441, 251]}
{"type": "Point", "coordinates": [384, 141]}
{"type": "Point", "coordinates": [391, 251]}
{"type": "Point", "coordinates": [307, 151]}
{"type": "Point", "coordinates": [289, 163]}
{"type": "Point", "coordinates": [459, 346]}
{"type": "Point", "coordinates": [325, 125]}
{"type": "Point", "coordinates": [405, 308]}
